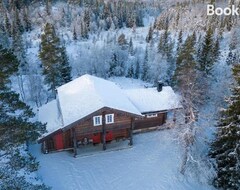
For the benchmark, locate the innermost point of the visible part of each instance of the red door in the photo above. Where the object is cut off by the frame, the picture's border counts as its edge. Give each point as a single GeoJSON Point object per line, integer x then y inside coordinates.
{"type": "Point", "coordinates": [59, 141]}
{"type": "Point", "coordinates": [109, 136]}
{"type": "Point", "coordinates": [96, 138]}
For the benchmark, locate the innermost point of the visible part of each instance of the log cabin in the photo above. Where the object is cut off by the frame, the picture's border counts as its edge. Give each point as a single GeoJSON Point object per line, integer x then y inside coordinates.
{"type": "Point", "coordinates": [94, 110]}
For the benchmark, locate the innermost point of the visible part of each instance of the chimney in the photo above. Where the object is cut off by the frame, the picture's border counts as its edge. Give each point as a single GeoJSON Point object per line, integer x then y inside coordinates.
{"type": "Point", "coordinates": [159, 86]}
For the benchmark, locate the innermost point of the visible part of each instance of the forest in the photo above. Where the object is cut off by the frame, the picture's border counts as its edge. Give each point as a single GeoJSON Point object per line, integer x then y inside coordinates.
{"type": "Point", "coordinates": [47, 43]}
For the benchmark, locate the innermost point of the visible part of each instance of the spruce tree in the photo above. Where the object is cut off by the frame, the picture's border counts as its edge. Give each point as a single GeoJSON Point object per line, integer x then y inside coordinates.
{"type": "Point", "coordinates": [17, 22]}
{"type": "Point", "coordinates": [65, 69]}
{"type": "Point", "coordinates": [145, 67]}
{"type": "Point", "coordinates": [186, 64]}
{"type": "Point", "coordinates": [20, 52]}
{"type": "Point", "coordinates": [165, 46]}
{"type": "Point", "coordinates": [207, 54]}
{"type": "Point", "coordinates": [180, 40]}
{"type": "Point", "coordinates": [74, 34]}
{"type": "Point", "coordinates": [216, 50]}
{"type": "Point", "coordinates": [27, 20]}
{"type": "Point", "coordinates": [130, 72]}
{"type": "Point", "coordinates": [87, 19]}
{"type": "Point", "coordinates": [226, 147]}
{"type": "Point", "coordinates": [8, 25]}
{"type": "Point", "coordinates": [150, 34]}
{"type": "Point", "coordinates": [137, 70]}
{"type": "Point", "coordinates": [84, 30]}
{"type": "Point", "coordinates": [54, 59]}
{"type": "Point", "coordinates": [14, 114]}
{"type": "Point", "coordinates": [186, 79]}
{"type": "Point", "coordinates": [113, 65]}
{"type": "Point", "coordinates": [16, 128]}
{"type": "Point", "coordinates": [130, 48]}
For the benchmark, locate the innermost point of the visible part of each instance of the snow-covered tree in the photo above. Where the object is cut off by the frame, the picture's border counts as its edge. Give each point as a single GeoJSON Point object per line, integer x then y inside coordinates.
{"type": "Point", "coordinates": [226, 147]}
{"type": "Point", "coordinates": [16, 129]}
{"type": "Point", "coordinates": [122, 41]}
{"type": "Point", "coordinates": [187, 84]}
{"type": "Point", "coordinates": [209, 52]}
{"type": "Point", "coordinates": [145, 66]}
{"type": "Point", "coordinates": [7, 25]}
{"type": "Point", "coordinates": [150, 34]}
{"type": "Point", "coordinates": [74, 33]}
{"type": "Point", "coordinates": [27, 20]}
{"type": "Point", "coordinates": [137, 70]}
{"type": "Point", "coordinates": [131, 48]}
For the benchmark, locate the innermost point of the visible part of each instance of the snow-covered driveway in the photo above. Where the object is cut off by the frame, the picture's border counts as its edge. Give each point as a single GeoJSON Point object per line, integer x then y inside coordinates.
{"type": "Point", "coordinates": [151, 164]}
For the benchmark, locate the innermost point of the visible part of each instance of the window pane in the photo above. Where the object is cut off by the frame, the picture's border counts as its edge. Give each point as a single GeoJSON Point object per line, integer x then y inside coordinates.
{"type": "Point", "coordinates": [97, 120]}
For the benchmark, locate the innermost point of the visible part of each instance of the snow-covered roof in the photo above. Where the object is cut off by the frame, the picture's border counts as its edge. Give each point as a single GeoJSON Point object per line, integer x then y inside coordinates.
{"type": "Point", "coordinates": [150, 100]}
{"type": "Point", "coordinates": [49, 113]}
{"type": "Point", "coordinates": [88, 94]}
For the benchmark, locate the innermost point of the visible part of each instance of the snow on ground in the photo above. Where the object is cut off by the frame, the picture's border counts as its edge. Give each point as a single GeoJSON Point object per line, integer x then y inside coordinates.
{"type": "Point", "coordinates": [152, 163]}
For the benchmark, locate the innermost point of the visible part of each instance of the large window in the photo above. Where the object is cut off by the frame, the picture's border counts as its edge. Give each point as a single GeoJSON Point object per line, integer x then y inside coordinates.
{"type": "Point", "coordinates": [97, 120]}
{"type": "Point", "coordinates": [109, 118]}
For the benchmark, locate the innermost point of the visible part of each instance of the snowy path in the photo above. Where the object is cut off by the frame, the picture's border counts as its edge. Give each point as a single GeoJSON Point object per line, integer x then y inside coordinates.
{"type": "Point", "coordinates": [152, 164]}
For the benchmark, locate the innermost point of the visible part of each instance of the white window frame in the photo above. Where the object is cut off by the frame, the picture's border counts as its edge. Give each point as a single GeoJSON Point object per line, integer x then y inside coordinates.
{"type": "Point", "coordinates": [112, 118]}
{"type": "Point", "coordinates": [152, 115]}
{"type": "Point", "coordinates": [95, 123]}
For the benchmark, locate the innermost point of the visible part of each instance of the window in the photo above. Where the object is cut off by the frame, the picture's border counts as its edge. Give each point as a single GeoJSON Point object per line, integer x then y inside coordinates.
{"type": "Point", "coordinates": [109, 118]}
{"type": "Point", "coordinates": [151, 115]}
{"type": "Point", "coordinates": [97, 120]}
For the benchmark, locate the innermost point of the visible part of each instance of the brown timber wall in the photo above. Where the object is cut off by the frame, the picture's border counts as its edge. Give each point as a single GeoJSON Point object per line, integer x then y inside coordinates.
{"type": "Point", "coordinates": [122, 122]}
{"type": "Point", "coordinates": [143, 123]}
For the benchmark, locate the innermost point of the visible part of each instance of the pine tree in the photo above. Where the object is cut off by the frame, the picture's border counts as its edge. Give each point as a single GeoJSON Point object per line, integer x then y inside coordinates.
{"type": "Point", "coordinates": [20, 51]}
{"type": "Point", "coordinates": [53, 58]}
{"type": "Point", "coordinates": [17, 22]}
{"type": "Point", "coordinates": [84, 31]}
{"type": "Point", "coordinates": [130, 48]}
{"type": "Point", "coordinates": [207, 55]}
{"type": "Point", "coordinates": [8, 25]}
{"type": "Point", "coordinates": [16, 129]}
{"type": "Point", "coordinates": [216, 50]}
{"type": "Point", "coordinates": [27, 20]}
{"type": "Point", "coordinates": [165, 46]}
{"type": "Point", "coordinates": [226, 147]}
{"type": "Point", "coordinates": [145, 67]}
{"type": "Point", "coordinates": [139, 18]}
{"type": "Point", "coordinates": [74, 34]}
{"type": "Point", "coordinates": [86, 19]}
{"type": "Point", "coordinates": [186, 64]}
{"type": "Point", "coordinates": [186, 79]}
{"type": "Point", "coordinates": [130, 73]}
{"type": "Point", "coordinates": [131, 19]}
{"type": "Point", "coordinates": [150, 34]}
{"type": "Point", "coordinates": [113, 65]}
{"type": "Point", "coordinates": [180, 40]}
{"type": "Point", "coordinates": [65, 69]}
{"type": "Point", "coordinates": [137, 70]}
